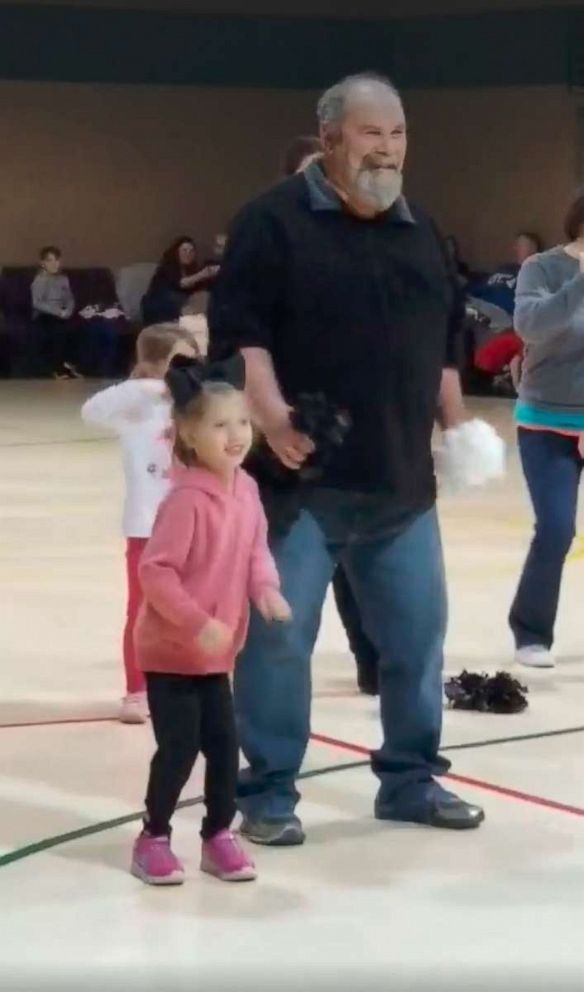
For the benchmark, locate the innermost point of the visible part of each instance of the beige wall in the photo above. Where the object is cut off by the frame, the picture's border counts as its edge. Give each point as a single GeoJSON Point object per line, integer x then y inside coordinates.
{"type": "Point", "coordinates": [490, 162]}
{"type": "Point", "coordinates": [113, 173]}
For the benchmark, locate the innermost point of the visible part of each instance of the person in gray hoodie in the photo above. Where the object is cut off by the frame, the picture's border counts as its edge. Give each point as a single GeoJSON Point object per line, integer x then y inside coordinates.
{"type": "Point", "coordinates": [549, 318]}
{"type": "Point", "coordinates": [53, 306]}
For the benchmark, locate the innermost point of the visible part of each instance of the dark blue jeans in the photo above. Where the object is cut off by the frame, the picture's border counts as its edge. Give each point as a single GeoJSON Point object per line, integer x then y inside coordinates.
{"type": "Point", "coordinates": [396, 570]}
{"type": "Point", "coordinates": [100, 339]}
{"type": "Point", "coordinates": [552, 467]}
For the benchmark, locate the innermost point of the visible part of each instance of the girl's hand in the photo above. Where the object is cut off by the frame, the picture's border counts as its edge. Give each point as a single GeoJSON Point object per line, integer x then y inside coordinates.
{"type": "Point", "coordinates": [273, 607]}
{"type": "Point", "coordinates": [215, 637]}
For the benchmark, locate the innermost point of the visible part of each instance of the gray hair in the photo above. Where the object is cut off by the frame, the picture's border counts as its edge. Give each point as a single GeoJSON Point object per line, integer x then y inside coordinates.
{"type": "Point", "coordinates": [332, 105]}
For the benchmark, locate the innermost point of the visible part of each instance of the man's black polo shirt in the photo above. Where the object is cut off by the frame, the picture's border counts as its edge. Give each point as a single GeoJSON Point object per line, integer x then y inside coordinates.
{"type": "Point", "coordinates": [362, 310]}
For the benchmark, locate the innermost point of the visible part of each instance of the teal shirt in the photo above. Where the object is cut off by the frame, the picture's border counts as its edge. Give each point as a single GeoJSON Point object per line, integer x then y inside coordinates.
{"type": "Point", "coordinates": [528, 415]}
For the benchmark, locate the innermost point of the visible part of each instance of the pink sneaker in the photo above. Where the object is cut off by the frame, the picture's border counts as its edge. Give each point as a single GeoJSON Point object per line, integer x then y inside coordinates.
{"type": "Point", "coordinates": [154, 863]}
{"type": "Point", "coordinates": [134, 708]}
{"type": "Point", "coordinates": [224, 858]}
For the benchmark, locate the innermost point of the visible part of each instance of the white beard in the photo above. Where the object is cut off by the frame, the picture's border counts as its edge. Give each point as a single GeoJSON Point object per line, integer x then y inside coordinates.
{"type": "Point", "coordinates": [380, 188]}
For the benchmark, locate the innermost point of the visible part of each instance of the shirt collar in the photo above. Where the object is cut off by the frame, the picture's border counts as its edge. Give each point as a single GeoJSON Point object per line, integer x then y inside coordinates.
{"type": "Point", "coordinates": [322, 196]}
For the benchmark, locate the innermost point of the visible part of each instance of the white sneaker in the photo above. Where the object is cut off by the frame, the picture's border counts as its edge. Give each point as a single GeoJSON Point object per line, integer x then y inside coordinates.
{"type": "Point", "coordinates": [134, 708]}
{"type": "Point", "coordinates": [535, 656]}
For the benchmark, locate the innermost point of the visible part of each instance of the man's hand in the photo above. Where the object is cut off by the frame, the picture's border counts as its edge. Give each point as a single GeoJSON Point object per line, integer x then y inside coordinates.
{"type": "Point", "coordinates": [291, 447]}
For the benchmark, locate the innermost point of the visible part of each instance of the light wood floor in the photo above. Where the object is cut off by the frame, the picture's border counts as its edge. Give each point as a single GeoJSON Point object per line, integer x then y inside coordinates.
{"type": "Point", "coordinates": [363, 904]}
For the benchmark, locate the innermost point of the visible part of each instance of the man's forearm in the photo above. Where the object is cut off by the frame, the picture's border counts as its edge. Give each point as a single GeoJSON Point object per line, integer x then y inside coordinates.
{"type": "Point", "coordinates": [451, 406]}
{"type": "Point", "coordinates": [268, 406]}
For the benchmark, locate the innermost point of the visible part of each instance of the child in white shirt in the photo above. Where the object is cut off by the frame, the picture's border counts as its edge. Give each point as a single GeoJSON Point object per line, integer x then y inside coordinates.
{"type": "Point", "coordinates": [138, 411]}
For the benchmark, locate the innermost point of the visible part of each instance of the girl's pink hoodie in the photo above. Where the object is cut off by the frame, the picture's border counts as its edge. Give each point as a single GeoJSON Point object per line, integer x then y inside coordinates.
{"type": "Point", "coordinates": [208, 557]}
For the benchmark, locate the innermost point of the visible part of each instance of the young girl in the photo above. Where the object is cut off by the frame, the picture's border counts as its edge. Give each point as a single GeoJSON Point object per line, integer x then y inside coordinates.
{"type": "Point", "coordinates": [139, 412]}
{"type": "Point", "coordinates": [207, 557]}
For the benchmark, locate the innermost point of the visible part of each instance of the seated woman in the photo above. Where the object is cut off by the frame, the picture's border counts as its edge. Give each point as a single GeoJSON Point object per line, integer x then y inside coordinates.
{"type": "Point", "coordinates": [198, 303]}
{"type": "Point", "coordinates": [53, 306]}
{"type": "Point", "coordinates": [176, 279]}
{"type": "Point", "coordinates": [500, 352]}
{"type": "Point", "coordinates": [499, 288]}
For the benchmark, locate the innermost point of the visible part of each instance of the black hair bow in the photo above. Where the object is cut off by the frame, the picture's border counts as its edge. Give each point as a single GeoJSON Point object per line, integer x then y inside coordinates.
{"type": "Point", "coordinates": [187, 376]}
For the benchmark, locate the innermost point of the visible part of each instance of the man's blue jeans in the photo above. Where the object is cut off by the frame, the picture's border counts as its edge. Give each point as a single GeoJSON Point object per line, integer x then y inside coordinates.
{"type": "Point", "coordinates": [396, 569]}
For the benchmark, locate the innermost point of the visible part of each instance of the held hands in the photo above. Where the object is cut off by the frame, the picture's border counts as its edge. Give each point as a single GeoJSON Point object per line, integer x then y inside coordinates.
{"type": "Point", "coordinates": [215, 638]}
{"type": "Point", "coordinates": [273, 607]}
{"type": "Point", "coordinates": [291, 447]}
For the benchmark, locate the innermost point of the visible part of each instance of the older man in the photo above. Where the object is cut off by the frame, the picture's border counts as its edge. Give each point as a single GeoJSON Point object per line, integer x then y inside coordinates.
{"type": "Point", "coordinates": [333, 283]}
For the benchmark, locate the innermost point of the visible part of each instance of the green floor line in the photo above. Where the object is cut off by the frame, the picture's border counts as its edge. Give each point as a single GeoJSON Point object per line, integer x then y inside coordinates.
{"type": "Point", "coordinates": [45, 845]}
{"type": "Point", "coordinates": [97, 828]}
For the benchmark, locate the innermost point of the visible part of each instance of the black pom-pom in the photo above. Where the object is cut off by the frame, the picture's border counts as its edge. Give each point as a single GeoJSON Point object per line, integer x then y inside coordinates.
{"type": "Point", "coordinates": [504, 694]}
{"type": "Point", "coordinates": [499, 693]}
{"type": "Point", "coordinates": [464, 692]}
{"type": "Point", "coordinates": [323, 423]}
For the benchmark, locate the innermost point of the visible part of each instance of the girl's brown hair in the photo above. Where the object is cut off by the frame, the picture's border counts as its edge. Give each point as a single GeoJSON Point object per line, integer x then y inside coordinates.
{"type": "Point", "coordinates": [155, 343]}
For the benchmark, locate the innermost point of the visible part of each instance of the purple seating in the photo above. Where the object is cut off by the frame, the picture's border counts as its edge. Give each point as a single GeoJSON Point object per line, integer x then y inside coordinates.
{"type": "Point", "coordinates": [18, 340]}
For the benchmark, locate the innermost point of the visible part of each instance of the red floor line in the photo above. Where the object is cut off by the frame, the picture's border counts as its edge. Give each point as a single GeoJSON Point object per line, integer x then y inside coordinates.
{"type": "Point", "coordinates": [343, 745]}
{"type": "Point", "coordinates": [476, 783]}
{"type": "Point", "coordinates": [500, 790]}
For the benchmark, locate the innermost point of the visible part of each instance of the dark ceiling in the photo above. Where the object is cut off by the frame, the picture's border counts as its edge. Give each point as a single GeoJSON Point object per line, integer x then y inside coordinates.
{"type": "Point", "coordinates": [320, 8]}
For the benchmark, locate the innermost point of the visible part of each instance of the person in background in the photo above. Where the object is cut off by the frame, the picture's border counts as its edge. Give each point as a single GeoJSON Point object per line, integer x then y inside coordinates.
{"type": "Point", "coordinates": [494, 356]}
{"type": "Point", "coordinates": [138, 411]}
{"type": "Point", "coordinates": [458, 266]}
{"type": "Point", "coordinates": [300, 153]}
{"type": "Point", "coordinates": [100, 332]}
{"type": "Point", "coordinates": [218, 249]}
{"type": "Point", "coordinates": [53, 306]}
{"type": "Point", "coordinates": [549, 318]}
{"type": "Point", "coordinates": [211, 267]}
{"type": "Point", "coordinates": [177, 278]}
{"type": "Point", "coordinates": [499, 288]}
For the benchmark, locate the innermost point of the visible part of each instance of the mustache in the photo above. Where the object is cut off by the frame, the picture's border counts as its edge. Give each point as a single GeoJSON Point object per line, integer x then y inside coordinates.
{"type": "Point", "coordinates": [375, 165]}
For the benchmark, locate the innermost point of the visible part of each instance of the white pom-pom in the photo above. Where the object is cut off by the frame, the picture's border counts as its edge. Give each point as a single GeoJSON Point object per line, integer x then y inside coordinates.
{"type": "Point", "coordinates": [470, 456]}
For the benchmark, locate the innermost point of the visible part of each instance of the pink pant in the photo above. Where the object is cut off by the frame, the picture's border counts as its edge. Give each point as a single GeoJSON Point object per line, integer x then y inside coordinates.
{"type": "Point", "coordinates": [135, 681]}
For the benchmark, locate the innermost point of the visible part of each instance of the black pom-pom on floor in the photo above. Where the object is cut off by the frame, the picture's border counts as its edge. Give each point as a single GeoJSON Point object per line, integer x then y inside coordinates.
{"type": "Point", "coordinates": [499, 693]}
